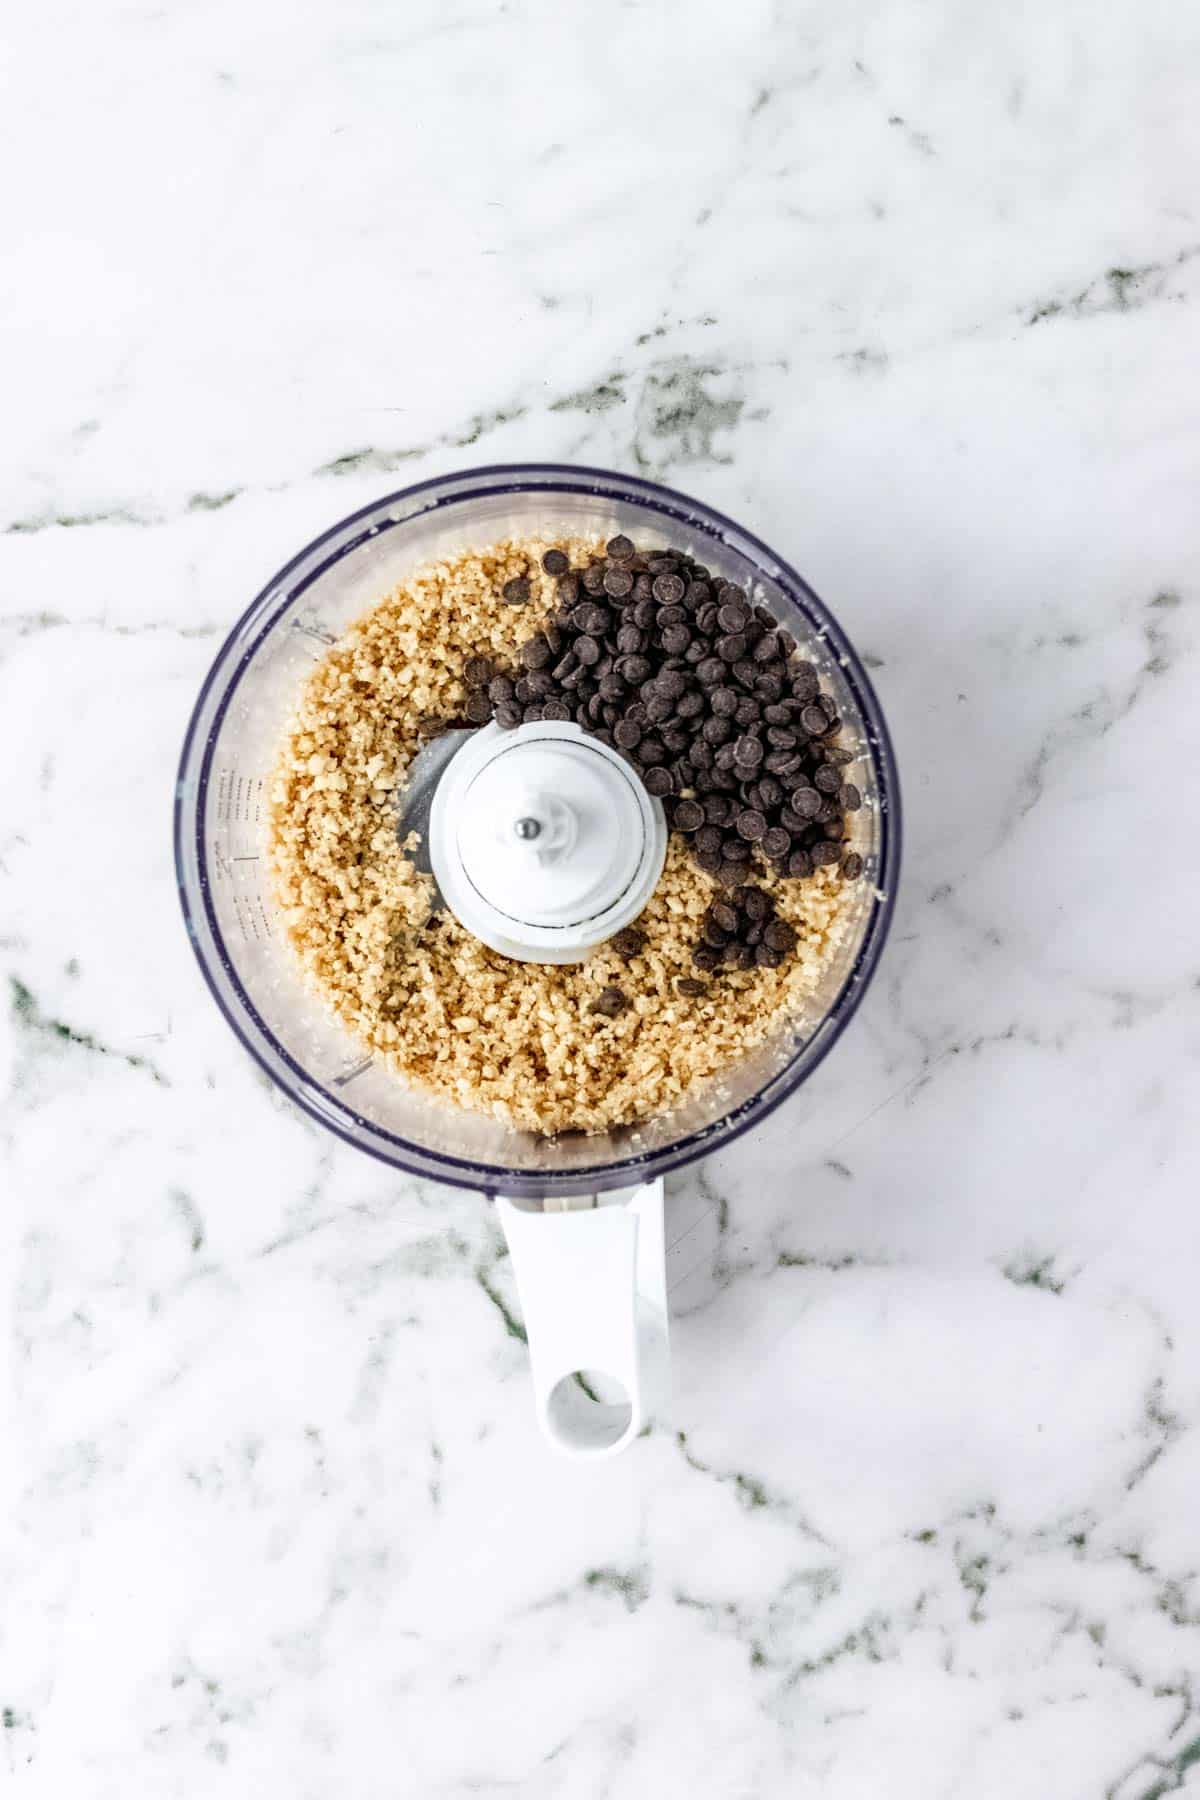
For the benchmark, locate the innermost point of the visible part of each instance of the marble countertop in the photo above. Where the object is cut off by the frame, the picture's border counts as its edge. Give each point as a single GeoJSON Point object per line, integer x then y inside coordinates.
{"type": "Point", "coordinates": [913, 292]}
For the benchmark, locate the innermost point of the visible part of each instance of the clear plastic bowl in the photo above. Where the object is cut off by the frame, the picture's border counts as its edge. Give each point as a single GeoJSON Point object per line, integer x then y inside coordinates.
{"type": "Point", "coordinates": [220, 827]}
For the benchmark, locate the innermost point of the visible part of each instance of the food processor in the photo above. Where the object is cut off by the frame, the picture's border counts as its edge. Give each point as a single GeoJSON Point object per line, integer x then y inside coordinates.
{"type": "Point", "coordinates": [543, 843]}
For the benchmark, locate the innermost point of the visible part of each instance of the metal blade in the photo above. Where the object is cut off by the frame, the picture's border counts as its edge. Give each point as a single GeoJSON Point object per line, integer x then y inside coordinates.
{"type": "Point", "coordinates": [424, 772]}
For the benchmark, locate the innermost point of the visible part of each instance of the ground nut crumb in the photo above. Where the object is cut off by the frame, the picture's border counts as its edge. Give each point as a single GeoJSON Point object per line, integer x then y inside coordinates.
{"type": "Point", "coordinates": [519, 1041]}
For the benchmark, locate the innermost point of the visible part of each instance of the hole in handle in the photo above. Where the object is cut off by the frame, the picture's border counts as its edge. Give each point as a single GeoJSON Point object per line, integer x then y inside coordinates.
{"type": "Point", "coordinates": [589, 1410]}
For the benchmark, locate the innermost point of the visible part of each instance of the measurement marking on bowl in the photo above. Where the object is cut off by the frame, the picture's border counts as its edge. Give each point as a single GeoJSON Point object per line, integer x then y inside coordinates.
{"type": "Point", "coordinates": [313, 631]}
{"type": "Point", "coordinates": [352, 1074]}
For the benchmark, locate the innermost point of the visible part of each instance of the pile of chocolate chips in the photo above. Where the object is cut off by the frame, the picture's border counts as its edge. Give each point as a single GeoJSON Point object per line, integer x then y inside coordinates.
{"type": "Point", "coordinates": [704, 694]}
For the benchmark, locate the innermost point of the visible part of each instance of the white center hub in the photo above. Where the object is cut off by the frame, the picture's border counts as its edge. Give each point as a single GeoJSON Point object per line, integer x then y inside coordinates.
{"type": "Point", "coordinates": [543, 841]}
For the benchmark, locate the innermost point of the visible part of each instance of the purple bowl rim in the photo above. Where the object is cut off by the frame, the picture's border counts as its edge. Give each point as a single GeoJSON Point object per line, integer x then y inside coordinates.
{"type": "Point", "coordinates": [521, 478]}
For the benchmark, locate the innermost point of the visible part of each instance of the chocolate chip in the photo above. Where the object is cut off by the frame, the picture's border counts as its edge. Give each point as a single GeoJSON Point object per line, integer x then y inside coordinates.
{"type": "Point", "coordinates": [610, 1004]}
{"type": "Point", "coordinates": [710, 672]}
{"type": "Point", "coordinates": [568, 589]}
{"type": "Point", "coordinates": [635, 669]}
{"type": "Point", "coordinates": [747, 753]}
{"type": "Point", "coordinates": [556, 709]}
{"type": "Point", "coordinates": [752, 826]}
{"type": "Point", "coordinates": [827, 780]}
{"type": "Point", "coordinates": [477, 671]}
{"type": "Point", "coordinates": [668, 588]}
{"type": "Point", "coordinates": [516, 591]}
{"type": "Point", "coordinates": [823, 854]}
{"type": "Point", "coordinates": [658, 781]}
{"type": "Point", "coordinates": [589, 616]}
{"type": "Point", "coordinates": [724, 916]}
{"type": "Point", "coordinates": [587, 650]}
{"type": "Point", "coordinates": [780, 935]}
{"type": "Point", "coordinates": [799, 865]}
{"type": "Point", "coordinates": [555, 562]}
{"type": "Point", "coordinates": [620, 548]}
{"type": "Point", "coordinates": [731, 648]}
{"type": "Point", "coordinates": [707, 958]}
{"type": "Point", "coordinates": [478, 708]}
{"type": "Point", "coordinates": [535, 653]}
{"type": "Point", "coordinates": [850, 797]}
{"type": "Point", "coordinates": [627, 734]}
{"type": "Point", "coordinates": [501, 690]}
{"type": "Point", "coordinates": [767, 957]}
{"type": "Point", "coordinates": [736, 849]}
{"type": "Point", "coordinates": [732, 616]}
{"type": "Point", "coordinates": [618, 582]}
{"type": "Point", "coordinates": [806, 802]}
{"type": "Point", "coordinates": [688, 816]}
{"type": "Point", "coordinates": [629, 943]}
{"type": "Point", "coordinates": [509, 716]}
{"type": "Point", "coordinates": [777, 843]}
{"type": "Point", "coordinates": [690, 987]}
{"type": "Point", "coordinates": [675, 639]}
{"type": "Point", "coordinates": [852, 865]}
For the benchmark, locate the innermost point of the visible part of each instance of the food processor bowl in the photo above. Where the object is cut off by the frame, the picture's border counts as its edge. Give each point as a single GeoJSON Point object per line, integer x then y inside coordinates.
{"type": "Point", "coordinates": [221, 811]}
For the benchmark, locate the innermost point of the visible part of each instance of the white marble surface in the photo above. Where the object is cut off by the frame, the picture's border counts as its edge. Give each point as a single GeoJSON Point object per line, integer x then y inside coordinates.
{"type": "Point", "coordinates": [913, 291]}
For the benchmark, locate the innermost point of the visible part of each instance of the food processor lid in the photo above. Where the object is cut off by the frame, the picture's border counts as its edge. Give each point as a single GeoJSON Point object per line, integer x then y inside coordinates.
{"type": "Point", "coordinates": [543, 841]}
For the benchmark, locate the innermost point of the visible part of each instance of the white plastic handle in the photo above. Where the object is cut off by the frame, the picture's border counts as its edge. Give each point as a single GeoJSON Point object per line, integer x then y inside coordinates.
{"type": "Point", "coordinates": [592, 1283]}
